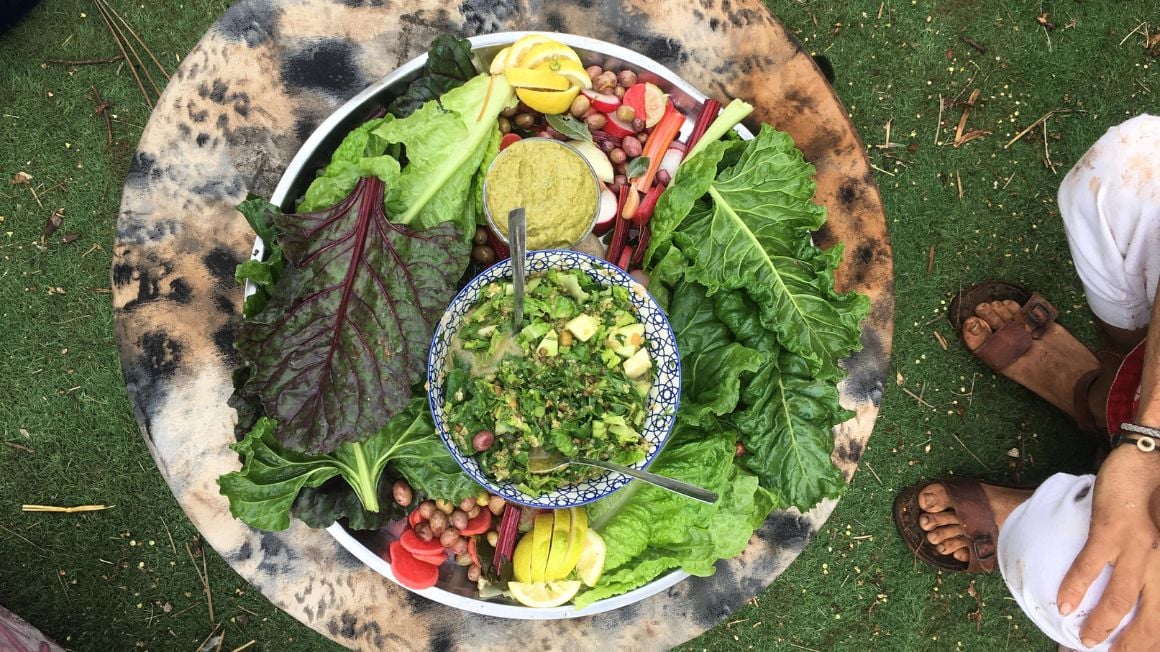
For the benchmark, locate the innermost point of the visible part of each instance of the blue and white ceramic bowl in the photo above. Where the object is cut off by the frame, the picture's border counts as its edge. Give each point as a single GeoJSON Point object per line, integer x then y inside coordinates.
{"type": "Point", "coordinates": [662, 398]}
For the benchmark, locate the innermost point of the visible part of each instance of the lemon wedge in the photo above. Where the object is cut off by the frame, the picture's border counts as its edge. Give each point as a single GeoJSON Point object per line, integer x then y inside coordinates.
{"type": "Point", "coordinates": [521, 47]}
{"type": "Point", "coordinates": [522, 559]}
{"type": "Point", "coordinates": [546, 52]}
{"type": "Point", "coordinates": [499, 62]}
{"type": "Point", "coordinates": [544, 594]}
{"type": "Point", "coordinates": [548, 102]}
{"type": "Point", "coordinates": [573, 71]}
{"type": "Point", "coordinates": [541, 536]}
{"type": "Point", "coordinates": [591, 563]}
{"type": "Point", "coordinates": [577, 536]}
{"type": "Point", "coordinates": [540, 79]}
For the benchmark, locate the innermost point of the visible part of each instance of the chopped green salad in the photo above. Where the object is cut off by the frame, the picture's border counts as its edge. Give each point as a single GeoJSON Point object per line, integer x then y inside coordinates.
{"type": "Point", "coordinates": [573, 380]}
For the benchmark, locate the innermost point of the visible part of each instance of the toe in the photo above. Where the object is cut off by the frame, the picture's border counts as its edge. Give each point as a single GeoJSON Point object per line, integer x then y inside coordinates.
{"type": "Point", "coordinates": [953, 545]}
{"type": "Point", "coordinates": [1009, 309]}
{"type": "Point", "coordinates": [962, 554]}
{"type": "Point", "coordinates": [934, 498]}
{"type": "Point", "coordinates": [929, 522]}
{"type": "Point", "coordinates": [975, 332]}
{"type": "Point", "coordinates": [987, 312]}
{"type": "Point", "coordinates": [946, 534]}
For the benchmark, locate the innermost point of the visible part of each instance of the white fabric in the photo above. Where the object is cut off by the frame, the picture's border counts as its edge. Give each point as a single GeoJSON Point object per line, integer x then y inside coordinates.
{"type": "Point", "coordinates": [1037, 545]}
{"type": "Point", "coordinates": [1110, 203]}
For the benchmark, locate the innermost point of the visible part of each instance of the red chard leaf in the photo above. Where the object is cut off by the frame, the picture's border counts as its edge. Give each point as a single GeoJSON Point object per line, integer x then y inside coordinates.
{"type": "Point", "coordinates": [346, 330]}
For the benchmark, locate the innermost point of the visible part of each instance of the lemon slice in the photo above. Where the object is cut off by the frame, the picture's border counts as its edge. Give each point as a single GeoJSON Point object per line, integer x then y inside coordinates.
{"type": "Point", "coordinates": [577, 537]}
{"type": "Point", "coordinates": [541, 535]}
{"type": "Point", "coordinates": [548, 102]}
{"type": "Point", "coordinates": [591, 562]}
{"type": "Point", "coordinates": [522, 559]}
{"type": "Point", "coordinates": [544, 80]}
{"type": "Point", "coordinates": [499, 62]}
{"type": "Point", "coordinates": [544, 594]}
{"type": "Point", "coordinates": [570, 69]}
{"type": "Point", "coordinates": [544, 52]}
{"type": "Point", "coordinates": [518, 49]}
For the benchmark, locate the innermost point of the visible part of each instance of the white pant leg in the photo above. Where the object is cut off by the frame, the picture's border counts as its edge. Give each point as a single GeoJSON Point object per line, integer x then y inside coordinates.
{"type": "Point", "coordinates": [1037, 545]}
{"type": "Point", "coordinates": [1110, 203]}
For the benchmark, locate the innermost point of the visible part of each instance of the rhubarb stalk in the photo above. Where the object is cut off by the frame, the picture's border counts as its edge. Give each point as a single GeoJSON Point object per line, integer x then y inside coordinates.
{"type": "Point", "coordinates": [658, 142]}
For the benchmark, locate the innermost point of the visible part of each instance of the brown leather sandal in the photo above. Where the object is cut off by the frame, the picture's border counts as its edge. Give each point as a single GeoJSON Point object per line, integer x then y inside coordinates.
{"type": "Point", "coordinates": [978, 520]}
{"type": "Point", "coordinates": [1010, 342]}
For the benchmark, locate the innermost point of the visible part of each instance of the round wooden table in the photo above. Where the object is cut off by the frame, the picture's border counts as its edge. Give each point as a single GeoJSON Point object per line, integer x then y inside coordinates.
{"type": "Point", "coordinates": [230, 120]}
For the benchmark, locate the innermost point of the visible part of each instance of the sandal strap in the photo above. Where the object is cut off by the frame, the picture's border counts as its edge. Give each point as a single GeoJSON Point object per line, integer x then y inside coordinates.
{"type": "Point", "coordinates": [1084, 418]}
{"type": "Point", "coordinates": [978, 520]}
{"type": "Point", "coordinates": [1013, 339]}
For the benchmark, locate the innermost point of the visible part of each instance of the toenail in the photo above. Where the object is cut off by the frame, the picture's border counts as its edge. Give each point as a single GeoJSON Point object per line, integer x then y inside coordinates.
{"type": "Point", "coordinates": [924, 521]}
{"type": "Point", "coordinates": [973, 327]}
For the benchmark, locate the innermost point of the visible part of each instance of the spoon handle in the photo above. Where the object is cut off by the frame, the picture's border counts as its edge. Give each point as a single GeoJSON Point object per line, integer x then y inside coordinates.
{"type": "Point", "coordinates": [683, 488]}
{"type": "Point", "coordinates": [517, 237]}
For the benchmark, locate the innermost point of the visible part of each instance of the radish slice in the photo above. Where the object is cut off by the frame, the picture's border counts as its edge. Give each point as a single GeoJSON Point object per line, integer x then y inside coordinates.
{"type": "Point", "coordinates": [617, 127]}
{"type": "Point", "coordinates": [606, 218]}
{"type": "Point", "coordinates": [671, 160]}
{"type": "Point", "coordinates": [601, 101]}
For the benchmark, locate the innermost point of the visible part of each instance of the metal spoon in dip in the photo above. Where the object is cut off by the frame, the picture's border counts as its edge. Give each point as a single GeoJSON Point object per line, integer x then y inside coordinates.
{"type": "Point", "coordinates": [518, 239]}
{"type": "Point", "coordinates": [542, 461]}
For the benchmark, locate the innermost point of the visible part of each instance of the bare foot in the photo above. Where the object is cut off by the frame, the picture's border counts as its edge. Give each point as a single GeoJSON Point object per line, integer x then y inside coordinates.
{"type": "Point", "coordinates": [1050, 368]}
{"type": "Point", "coordinates": [942, 524]}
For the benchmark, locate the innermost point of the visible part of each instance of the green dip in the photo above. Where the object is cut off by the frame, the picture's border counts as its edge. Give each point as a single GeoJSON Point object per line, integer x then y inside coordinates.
{"type": "Point", "coordinates": [554, 185]}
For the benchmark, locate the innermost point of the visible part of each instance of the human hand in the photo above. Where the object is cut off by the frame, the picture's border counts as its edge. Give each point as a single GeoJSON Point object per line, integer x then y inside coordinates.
{"type": "Point", "coordinates": [1124, 532]}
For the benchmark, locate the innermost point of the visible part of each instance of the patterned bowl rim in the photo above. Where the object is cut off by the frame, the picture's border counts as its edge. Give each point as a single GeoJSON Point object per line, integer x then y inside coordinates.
{"type": "Point", "coordinates": [556, 259]}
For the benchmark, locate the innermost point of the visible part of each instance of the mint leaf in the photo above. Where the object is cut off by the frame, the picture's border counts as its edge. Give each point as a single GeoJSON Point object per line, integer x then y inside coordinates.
{"type": "Point", "coordinates": [636, 167]}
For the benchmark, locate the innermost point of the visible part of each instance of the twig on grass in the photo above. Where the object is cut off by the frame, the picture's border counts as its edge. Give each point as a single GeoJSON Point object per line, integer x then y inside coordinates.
{"type": "Point", "coordinates": [178, 613]}
{"type": "Point", "coordinates": [959, 181]}
{"type": "Point", "coordinates": [125, 56]}
{"type": "Point", "coordinates": [84, 62]}
{"type": "Point", "coordinates": [103, 111]}
{"type": "Point", "coordinates": [1035, 124]}
{"type": "Point", "coordinates": [20, 447]}
{"type": "Point", "coordinates": [871, 470]}
{"type": "Point", "coordinates": [938, 125]}
{"type": "Point", "coordinates": [19, 536]}
{"type": "Point", "coordinates": [244, 646]}
{"type": "Point", "coordinates": [171, 545]}
{"type": "Point", "coordinates": [962, 138]}
{"type": "Point", "coordinates": [1046, 152]}
{"type": "Point", "coordinates": [941, 340]}
{"type": "Point", "coordinates": [979, 47]}
{"type": "Point", "coordinates": [930, 260]}
{"type": "Point", "coordinates": [918, 398]}
{"type": "Point", "coordinates": [801, 647]}
{"type": "Point", "coordinates": [65, 510]}
{"type": "Point", "coordinates": [881, 170]}
{"type": "Point", "coordinates": [1135, 31]}
{"type": "Point", "coordinates": [203, 575]}
{"type": "Point", "coordinates": [970, 452]}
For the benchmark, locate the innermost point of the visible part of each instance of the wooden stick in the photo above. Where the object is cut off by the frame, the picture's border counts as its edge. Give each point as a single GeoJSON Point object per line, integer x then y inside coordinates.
{"type": "Point", "coordinates": [979, 47]}
{"type": "Point", "coordinates": [1033, 125]}
{"type": "Point", "coordinates": [107, 13]}
{"type": "Point", "coordinates": [918, 398]}
{"type": "Point", "coordinates": [204, 581]}
{"type": "Point", "coordinates": [959, 180]}
{"type": "Point", "coordinates": [242, 647]}
{"type": "Point", "coordinates": [125, 57]}
{"type": "Point", "coordinates": [144, 46]}
{"type": "Point", "coordinates": [65, 510]}
{"type": "Point", "coordinates": [938, 127]}
{"type": "Point", "coordinates": [963, 118]}
{"type": "Point", "coordinates": [84, 62]}
{"type": "Point", "coordinates": [1046, 152]}
{"type": "Point", "coordinates": [930, 260]}
{"type": "Point", "coordinates": [20, 447]}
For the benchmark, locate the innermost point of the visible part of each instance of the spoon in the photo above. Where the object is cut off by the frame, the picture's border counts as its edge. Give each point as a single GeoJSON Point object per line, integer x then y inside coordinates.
{"type": "Point", "coordinates": [542, 461]}
{"type": "Point", "coordinates": [518, 239]}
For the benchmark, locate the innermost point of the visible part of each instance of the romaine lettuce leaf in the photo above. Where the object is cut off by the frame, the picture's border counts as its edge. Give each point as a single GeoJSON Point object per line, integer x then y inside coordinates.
{"type": "Point", "coordinates": [650, 531]}
{"type": "Point", "coordinates": [448, 65]}
{"type": "Point", "coordinates": [360, 154]}
{"type": "Point", "coordinates": [445, 143]}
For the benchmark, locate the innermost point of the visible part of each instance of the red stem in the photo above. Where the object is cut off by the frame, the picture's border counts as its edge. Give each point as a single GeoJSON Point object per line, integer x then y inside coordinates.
{"type": "Point", "coordinates": [497, 245]}
{"type": "Point", "coordinates": [619, 230]}
{"type": "Point", "coordinates": [637, 260]}
{"type": "Point", "coordinates": [709, 111]}
{"type": "Point", "coordinates": [648, 205]}
{"type": "Point", "coordinates": [506, 543]}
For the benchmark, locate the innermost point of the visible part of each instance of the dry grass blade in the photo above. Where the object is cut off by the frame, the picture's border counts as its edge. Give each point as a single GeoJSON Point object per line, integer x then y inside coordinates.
{"type": "Point", "coordinates": [84, 62]}
{"type": "Point", "coordinates": [65, 510]}
{"type": "Point", "coordinates": [1033, 125]}
{"type": "Point", "coordinates": [203, 575]}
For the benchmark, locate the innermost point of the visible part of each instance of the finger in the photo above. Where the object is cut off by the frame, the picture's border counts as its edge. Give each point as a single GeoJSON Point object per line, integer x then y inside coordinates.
{"type": "Point", "coordinates": [1084, 570]}
{"type": "Point", "coordinates": [1143, 633]}
{"type": "Point", "coordinates": [1119, 597]}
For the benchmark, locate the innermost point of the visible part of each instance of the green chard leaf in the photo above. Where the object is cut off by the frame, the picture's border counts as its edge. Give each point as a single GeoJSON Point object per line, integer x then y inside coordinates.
{"type": "Point", "coordinates": [788, 416]}
{"type": "Point", "coordinates": [263, 274]}
{"type": "Point", "coordinates": [448, 66]}
{"type": "Point", "coordinates": [759, 220]}
{"type": "Point", "coordinates": [273, 477]}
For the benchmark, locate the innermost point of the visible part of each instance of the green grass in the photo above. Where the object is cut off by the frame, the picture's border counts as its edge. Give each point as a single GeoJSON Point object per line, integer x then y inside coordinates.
{"type": "Point", "coordinates": [112, 580]}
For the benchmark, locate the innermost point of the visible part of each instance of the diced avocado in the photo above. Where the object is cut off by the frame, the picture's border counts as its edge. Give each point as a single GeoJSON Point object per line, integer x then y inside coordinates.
{"type": "Point", "coordinates": [642, 387]}
{"type": "Point", "coordinates": [626, 351]}
{"type": "Point", "coordinates": [626, 333]}
{"type": "Point", "coordinates": [583, 327]}
{"type": "Point", "coordinates": [569, 283]}
{"type": "Point", "coordinates": [486, 331]}
{"type": "Point", "coordinates": [549, 346]}
{"type": "Point", "coordinates": [638, 365]}
{"type": "Point", "coordinates": [535, 331]}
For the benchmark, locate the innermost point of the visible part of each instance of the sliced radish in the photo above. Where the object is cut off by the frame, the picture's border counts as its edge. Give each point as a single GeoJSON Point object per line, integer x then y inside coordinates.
{"type": "Point", "coordinates": [596, 158]}
{"type": "Point", "coordinates": [606, 218]}
{"type": "Point", "coordinates": [614, 126]}
{"type": "Point", "coordinates": [602, 102]}
{"type": "Point", "coordinates": [507, 140]}
{"type": "Point", "coordinates": [417, 546]}
{"type": "Point", "coordinates": [671, 160]}
{"type": "Point", "coordinates": [435, 560]}
{"type": "Point", "coordinates": [478, 525]}
{"type": "Point", "coordinates": [411, 572]}
{"type": "Point", "coordinates": [648, 101]}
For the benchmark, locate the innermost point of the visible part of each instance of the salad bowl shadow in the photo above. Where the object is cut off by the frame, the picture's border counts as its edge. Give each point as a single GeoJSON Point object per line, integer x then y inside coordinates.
{"type": "Point", "coordinates": [662, 401]}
